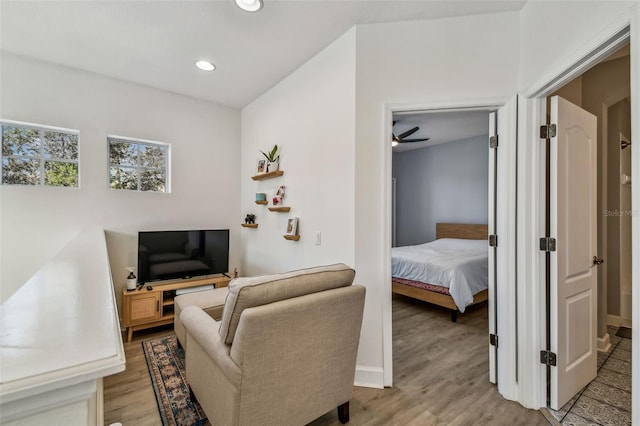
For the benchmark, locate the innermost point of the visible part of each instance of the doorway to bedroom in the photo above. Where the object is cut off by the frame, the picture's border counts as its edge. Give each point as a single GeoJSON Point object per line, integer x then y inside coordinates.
{"type": "Point", "coordinates": [440, 213]}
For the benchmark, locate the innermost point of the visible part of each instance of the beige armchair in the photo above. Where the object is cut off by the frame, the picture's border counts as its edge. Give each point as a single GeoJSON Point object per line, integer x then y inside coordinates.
{"type": "Point", "coordinates": [284, 352]}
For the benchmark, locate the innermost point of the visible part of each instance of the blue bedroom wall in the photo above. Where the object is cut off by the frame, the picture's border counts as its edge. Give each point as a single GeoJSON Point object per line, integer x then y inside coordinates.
{"type": "Point", "coordinates": [440, 183]}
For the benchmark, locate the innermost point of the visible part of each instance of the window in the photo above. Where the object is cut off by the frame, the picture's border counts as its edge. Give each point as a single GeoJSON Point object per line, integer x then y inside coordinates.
{"type": "Point", "coordinates": [38, 155]}
{"type": "Point", "coordinates": [138, 165]}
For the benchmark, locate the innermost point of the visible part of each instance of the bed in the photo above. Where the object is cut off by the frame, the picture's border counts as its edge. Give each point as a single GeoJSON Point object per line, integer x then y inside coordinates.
{"type": "Point", "coordinates": [450, 272]}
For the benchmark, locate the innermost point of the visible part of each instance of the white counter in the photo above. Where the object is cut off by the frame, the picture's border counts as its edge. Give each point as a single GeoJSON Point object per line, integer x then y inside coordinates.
{"type": "Point", "coordinates": [61, 336]}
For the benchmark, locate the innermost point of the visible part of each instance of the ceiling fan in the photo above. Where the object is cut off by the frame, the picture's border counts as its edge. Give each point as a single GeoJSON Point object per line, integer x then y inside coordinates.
{"type": "Point", "coordinates": [401, 137]}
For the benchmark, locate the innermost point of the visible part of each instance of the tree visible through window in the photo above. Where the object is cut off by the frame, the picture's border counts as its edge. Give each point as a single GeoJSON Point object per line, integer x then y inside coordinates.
{"type": "Point", "coordinates": [33, 155]}
{"type": "Point", "coordinates": [138, 165]}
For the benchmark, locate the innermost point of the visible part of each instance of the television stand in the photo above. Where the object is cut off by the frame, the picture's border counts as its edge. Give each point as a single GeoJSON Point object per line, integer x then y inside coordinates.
{"type": "Point", "coordinates": [144, 308]}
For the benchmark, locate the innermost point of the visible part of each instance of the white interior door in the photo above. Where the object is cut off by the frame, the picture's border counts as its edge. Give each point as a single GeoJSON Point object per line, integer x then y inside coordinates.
{"type": "Point", "coordinates": [501, 225]}
{"type": "Point", "coordinates": [573, 303]}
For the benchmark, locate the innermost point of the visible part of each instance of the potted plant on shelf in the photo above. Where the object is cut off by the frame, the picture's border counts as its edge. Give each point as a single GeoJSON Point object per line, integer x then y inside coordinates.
{"type": "Point", "coordinates": [273, 159]}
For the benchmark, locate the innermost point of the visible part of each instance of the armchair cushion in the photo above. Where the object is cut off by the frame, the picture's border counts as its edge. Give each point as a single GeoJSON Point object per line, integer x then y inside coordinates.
{"type": "Point", "coordinates": [261, 290]}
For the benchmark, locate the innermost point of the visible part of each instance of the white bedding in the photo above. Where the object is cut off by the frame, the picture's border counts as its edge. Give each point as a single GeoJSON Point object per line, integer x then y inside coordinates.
{"type": "Point", "coordinates": [460, 265]}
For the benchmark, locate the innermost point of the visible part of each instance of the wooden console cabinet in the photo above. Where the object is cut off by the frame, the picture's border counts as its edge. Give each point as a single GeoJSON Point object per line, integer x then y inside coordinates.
{"type": "Point", "coordinates": [151, 308]}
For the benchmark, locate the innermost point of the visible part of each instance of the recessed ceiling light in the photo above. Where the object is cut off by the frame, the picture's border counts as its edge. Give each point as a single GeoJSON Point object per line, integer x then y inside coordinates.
{"type": "Point", "coordinates": [249, 5]}
{"type": "Point", "coordinates": [205, 65]}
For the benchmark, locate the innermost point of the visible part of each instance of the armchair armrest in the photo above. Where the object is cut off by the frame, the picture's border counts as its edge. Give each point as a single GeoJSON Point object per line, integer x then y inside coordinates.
{"type": "Point", "coordinates": [204, 330]}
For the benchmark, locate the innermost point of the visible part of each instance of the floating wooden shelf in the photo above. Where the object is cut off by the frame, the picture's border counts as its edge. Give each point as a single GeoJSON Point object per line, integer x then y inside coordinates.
{"type": "Point", "coordinates": [249, 225]}
{"type": "Point", "coordinates": [291, 237]}
{"type": "Point", "coordinates": [279, 209]}
{"type": "Point", "coordinates": [263, 202]}
{"type": "Point", "coordinates": [269, 175]}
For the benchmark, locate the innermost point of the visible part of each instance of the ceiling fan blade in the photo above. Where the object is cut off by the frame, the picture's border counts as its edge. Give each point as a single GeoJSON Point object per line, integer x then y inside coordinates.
{"type": "Point", "coordinates": [413, 140]}
{"type": "Point", "coordinates": [408, 133]}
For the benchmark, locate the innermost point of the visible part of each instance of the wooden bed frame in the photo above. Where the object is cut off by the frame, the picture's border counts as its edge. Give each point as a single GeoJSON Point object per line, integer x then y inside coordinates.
{"type": "Point", "coordinates": [447, 230]}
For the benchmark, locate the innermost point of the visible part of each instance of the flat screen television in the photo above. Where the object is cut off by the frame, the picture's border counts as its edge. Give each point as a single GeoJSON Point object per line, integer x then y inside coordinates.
{"type": "Point", "coordinates": [171, 255]}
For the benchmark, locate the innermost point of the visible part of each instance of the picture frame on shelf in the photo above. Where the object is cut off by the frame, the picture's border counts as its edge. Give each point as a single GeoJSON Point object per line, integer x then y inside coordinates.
{"type": "Point", "coordinates": [278, 195]}
{"type": "Point", "coordinates": [261, 166]}
{"type": "Point", "coordinates": [292, 226]}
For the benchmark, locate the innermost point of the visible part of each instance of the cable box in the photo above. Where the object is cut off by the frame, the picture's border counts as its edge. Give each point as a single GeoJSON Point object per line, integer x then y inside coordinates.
{"type": "Point", "coordinates": [194, 289]}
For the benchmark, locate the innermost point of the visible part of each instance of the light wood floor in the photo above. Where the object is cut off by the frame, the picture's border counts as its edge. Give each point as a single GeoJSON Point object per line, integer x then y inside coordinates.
{"type": "Point", "coordinates": [440, 377]}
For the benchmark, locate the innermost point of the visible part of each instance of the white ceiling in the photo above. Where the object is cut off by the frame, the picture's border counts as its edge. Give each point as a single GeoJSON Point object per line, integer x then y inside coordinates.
{"type": "Point", "coordinates": [440, 127]}
{"type": "Point", "coordinates": [157, 42]}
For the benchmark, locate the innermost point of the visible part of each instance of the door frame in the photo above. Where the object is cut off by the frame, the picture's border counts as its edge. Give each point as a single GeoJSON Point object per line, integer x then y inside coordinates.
{"type": "Point", "coordinates": [507, 359]}
{"type": "Point", "coordinates": [532, 114]}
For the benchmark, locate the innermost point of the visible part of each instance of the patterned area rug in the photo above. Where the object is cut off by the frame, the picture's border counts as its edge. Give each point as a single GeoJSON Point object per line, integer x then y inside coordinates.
{"type": "Point", "coordinates": [166, 368]}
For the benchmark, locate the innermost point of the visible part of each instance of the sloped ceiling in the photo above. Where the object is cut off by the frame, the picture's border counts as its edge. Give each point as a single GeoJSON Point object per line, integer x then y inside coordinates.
{"type": "Point", "coordinates": [157, 42]}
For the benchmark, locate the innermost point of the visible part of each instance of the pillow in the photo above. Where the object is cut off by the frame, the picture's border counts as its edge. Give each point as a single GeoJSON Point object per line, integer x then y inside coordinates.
{"type": "Point", "coordinates": [264, 289]}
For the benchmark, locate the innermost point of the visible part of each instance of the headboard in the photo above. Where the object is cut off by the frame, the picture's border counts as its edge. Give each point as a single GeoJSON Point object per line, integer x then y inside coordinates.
{"type": "Point", "coordinates": [462, 230]}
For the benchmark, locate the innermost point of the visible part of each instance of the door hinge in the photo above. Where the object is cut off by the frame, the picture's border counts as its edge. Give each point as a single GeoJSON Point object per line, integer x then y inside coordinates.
{"type": "Point", "coordinates": [493, 141]}
{"type": "Point", "coordinates": [547, 244]}
{"type": "Point", "coordinates": [547, 131]}
{"type": "Point", "coordinates": [548, 358]}
{"type": "Point", "coordinates": [493, 240]}
{"type": "Point", "coordinates": [493, 340]}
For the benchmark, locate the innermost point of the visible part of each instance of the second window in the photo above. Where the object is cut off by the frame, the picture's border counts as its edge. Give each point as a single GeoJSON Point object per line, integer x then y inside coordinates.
{"type": "Point", "coordinates": [138, 165]}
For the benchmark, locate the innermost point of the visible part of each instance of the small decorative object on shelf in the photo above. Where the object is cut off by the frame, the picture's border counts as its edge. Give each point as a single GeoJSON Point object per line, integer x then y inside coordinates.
{"type": "Point", "coordinates": [261, 198]}
{"type": "Point", "coordinates": [273, 159]}
{"type": "Point", "coordinates": [250, 219]}
{"type": "Point", "coordinates": [292, 227]}
{"type": "Point", "coordinates": [261, 166]}
{"type": "Point", "coordinates": [278, 195]}
{"type": "Point", "coordinates": [131, 279]}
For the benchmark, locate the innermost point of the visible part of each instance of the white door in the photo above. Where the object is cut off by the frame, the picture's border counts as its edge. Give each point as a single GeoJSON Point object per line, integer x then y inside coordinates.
{"type": "Point", "coordinates": [573, 294]}
{"type": "Point", "coordinates": [501, 224]}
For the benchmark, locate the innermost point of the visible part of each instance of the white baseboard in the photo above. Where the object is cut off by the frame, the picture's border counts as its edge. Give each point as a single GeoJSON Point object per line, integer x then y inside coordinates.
{"type": "Point", "coordinates": [604, 344]}
{"type": "Point", "coordinates": [617, 321]}
{"type": "Point", "coordinates": [613, 320]}
{"type": "Point", "coordinates": [369, 377]}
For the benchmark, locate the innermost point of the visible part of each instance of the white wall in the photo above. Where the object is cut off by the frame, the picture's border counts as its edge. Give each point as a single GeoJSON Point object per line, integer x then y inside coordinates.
{"type": "Point", "coordinates": [438, 62]}
{"type": "Point", "coordinates": [311, 116]}
{"type": "Point", "coordinates": [568, 25]}
{"type": "Point", "coordinates": [204, 138]}
{"type": "Point", "coordinates": [442, 183]}
{"type": "Point", "coordinates": [618, 227]}
{"type": "Point", "coordinates": [602, 86]}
